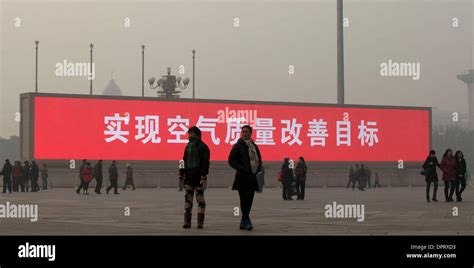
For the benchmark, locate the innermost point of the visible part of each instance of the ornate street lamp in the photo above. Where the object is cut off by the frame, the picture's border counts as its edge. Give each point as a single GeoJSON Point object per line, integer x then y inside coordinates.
{"type": "Point", "coordinates": [168, 84]}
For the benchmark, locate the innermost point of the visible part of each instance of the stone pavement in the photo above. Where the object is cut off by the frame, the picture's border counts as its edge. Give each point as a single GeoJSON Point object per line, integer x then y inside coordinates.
{"type": "Point", "coordinates": [388, 211]}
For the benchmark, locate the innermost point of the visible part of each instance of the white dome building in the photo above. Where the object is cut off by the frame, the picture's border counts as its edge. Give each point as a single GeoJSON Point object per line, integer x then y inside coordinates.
{"type": "Point", "coordinates": [112, 89]}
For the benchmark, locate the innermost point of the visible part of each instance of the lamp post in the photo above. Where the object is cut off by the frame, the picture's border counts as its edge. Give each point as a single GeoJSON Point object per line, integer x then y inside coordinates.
{"type": "Point", "coordinates": [340, 53]}
{"type": "Point", "coordinates": [91, 46]}
{"type": "Point", "coordinates": [143, 70]}
{"type": "Point", "coordinates": [194, 77]}
{"type": "Point", "coordinates": [36, 66]}
{"type": "Point", "coordinates": [168, 84]}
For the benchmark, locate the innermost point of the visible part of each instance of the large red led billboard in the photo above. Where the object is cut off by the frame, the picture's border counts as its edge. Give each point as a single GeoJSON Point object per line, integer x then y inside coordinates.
{"type": "Point", "coordinates": [137, 129]}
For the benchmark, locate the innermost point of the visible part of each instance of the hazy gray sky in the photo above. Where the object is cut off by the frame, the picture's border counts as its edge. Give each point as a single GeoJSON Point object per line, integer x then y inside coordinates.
{"type": "Point", "coordinates": [249, 62]}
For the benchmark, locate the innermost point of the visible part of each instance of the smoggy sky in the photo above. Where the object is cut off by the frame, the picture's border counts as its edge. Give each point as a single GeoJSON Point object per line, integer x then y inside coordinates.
{"type": "Point", "coordinates": [249, 62]}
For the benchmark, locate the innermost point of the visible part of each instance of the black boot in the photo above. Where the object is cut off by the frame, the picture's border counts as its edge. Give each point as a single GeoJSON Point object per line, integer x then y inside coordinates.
{"type": "Point", "coordinates": [187, 220]}
{"type": "Point", "coordinates": [200, 220]}
{"type": "Point", "coordinates": [243, 224]}
{"type": "Point", "coordinates": [249, 225]}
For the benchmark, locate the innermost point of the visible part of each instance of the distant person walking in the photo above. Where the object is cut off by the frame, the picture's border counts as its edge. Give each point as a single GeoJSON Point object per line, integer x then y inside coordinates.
{"type": "Point", "coordinates": [7, 171]}
{"type": "Point", "coordinates": [288, 179]}
{"type": "Point", "coordinates": [351, 177]}
{"type": "Point", "coordinates": [87, 174]}
{"type": "Point", "coordinates": [431, 176]}
{"type": "Point", "coordinates": [448, 165]}
{"type": "Point", "coordinates": [113, 177]}
{"type": "Point", "coordinates": [196, 168]}
{"type": "Point", "coordinates": [461, 169]}
{"type": "Point", "coordinates": [27, 175]}
{"type": "Point", "coordinates": [129, 178]}
{"type": "Point", "coordinates": [356, 177]}
{"type": "Point", "coordinates": [81, 182]}
{"type": "Point", "coordinates": [362, 177]}
{"type": "Point", "coordinates": [99, 176]}
{"type": "Point", "coordinates": [44, 176]}
{"type": "Point", "coordinates": [34, 176]}
{"type": "Point", "coordinates": [376, 180]}
{"type": "Point", "coordinates": [18, 177]}
{"type": "Point", "coordinates": [368, 174]}
{"type": "Point", "coordinates": [246, 159]}
{"type": "Point", "coordinates": [300, 177]}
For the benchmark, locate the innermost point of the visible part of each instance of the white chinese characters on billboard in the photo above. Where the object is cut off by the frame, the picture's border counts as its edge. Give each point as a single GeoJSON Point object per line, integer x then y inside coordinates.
{"type": "Point", "coordinates": [147, 130]}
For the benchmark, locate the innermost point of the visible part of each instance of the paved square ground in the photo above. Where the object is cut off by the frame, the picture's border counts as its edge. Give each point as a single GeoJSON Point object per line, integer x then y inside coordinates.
{"type": "Point", "coordinates": [388, 211]}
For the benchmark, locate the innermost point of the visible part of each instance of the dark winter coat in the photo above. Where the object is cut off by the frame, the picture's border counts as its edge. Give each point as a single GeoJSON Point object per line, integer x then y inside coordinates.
{"type": "Point", "coordinates": [113, 172]}
{"type": "Point", "coordinates": [287, 173]}
{"type": "Point", "coordinates": [34, 171]}
{"type": "Point", "coordinates": [239, 160]}
{"type": "Point", "coordinates": [44, 173]}
{"type": "Point", "coordinates": [448, 165]}
{"type": "Point", "coordinates": [98, 171]}
{"type": "Point", "coordinates": [193, 177]}
{"type": "Point", "coordinates": [461, 169]}
{"type": "Point", "coordinates": [300, 172]}
{"type": "Point", "coordinates": [26, 172]}
{"type": "Point", "coordinates": [7, 171]}
{"type": "Point", "coordinates": [129, 175]}
{"type": "Point", "coordinates": [429, 167]}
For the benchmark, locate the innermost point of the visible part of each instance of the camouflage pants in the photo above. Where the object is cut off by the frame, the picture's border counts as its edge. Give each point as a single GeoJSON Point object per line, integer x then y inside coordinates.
{"type": "Point", "coordinates": [189, 196]}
